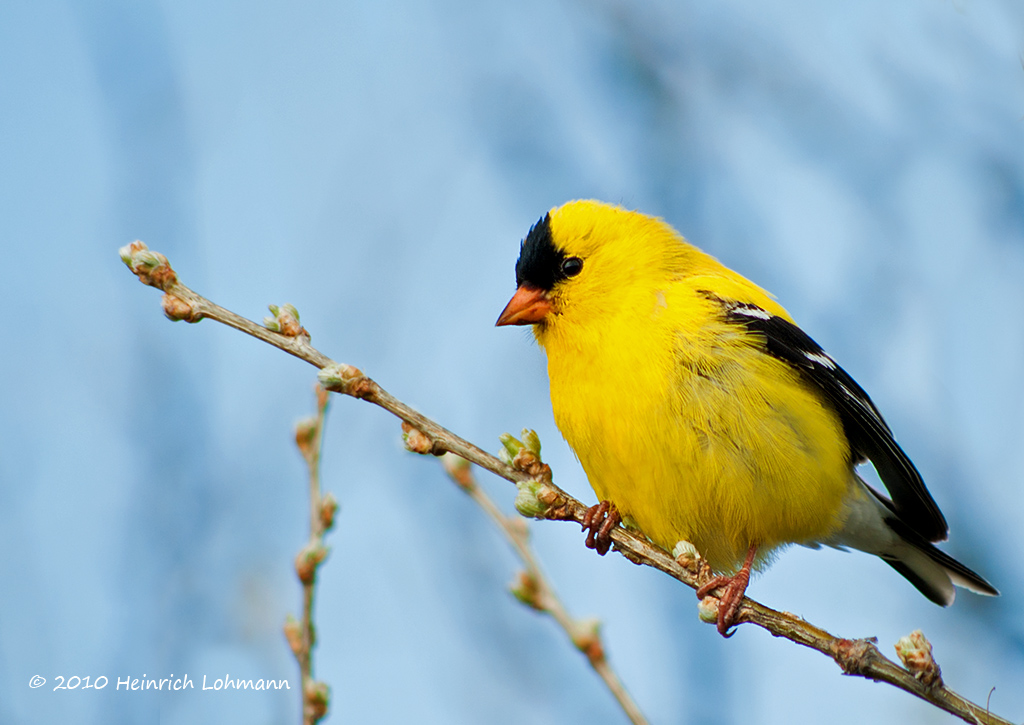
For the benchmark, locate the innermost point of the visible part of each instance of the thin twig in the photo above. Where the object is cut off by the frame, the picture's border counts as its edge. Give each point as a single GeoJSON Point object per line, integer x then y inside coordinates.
{"type": "Point", "coordinates": [855, 656]}
{"type": "Point", "coordinates": [533, 588]}
{"type": "Point", "coordinates": [301, 636]}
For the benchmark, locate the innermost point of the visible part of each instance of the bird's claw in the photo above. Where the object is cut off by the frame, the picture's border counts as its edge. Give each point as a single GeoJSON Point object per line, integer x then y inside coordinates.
{"type": "Point", "coordinates": [598, 522]}
{"type": "Point", "coordinates": [731, 597]}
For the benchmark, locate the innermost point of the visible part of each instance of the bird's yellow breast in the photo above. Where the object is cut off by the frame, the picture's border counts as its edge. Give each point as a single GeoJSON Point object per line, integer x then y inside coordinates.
{"type": "Point", "coordinates": [683, 422]}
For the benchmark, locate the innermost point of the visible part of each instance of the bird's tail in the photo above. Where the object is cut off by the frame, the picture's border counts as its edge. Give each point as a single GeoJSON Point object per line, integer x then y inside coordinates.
{"type": "Point", "coordinates": [872, 525]}
{"type": "Point", "coordinates": [930, 569]}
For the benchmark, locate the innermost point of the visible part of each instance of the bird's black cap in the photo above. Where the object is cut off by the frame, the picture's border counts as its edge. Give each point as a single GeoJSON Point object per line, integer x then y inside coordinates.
{"type": "Point", "coordinates": [540, 262]}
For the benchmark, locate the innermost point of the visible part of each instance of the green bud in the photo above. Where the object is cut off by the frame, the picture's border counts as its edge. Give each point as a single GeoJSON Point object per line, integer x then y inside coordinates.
{"type": "Point", "coordinates": [125, 253]}
{"type": "Point", "coordinates": [316, 699]}
{"type": "Point", "coordinates": [293, 633]}
{"type": "Point", "coordinates": [511, 447]}
{"type": "Point", "coordinates": [328, 509]}
{"type": "Point", "coordinates": [331, 376]}
{"type": "Point", "coordinates": [707, 610]}
{"type": "Point", "coordinates": [527, 502]}
{"type": "Point", "coordinates": [686, 555]}
{"type": "Point", "coordinates": [525, 589]}
{"type": "Point", "coordinates": [338, 376]}
{"type": "Point", "coordinates": [147, 260]}
{"type": "Point", "coordinates": [307, 561]}
{"type": "Point", "coordinates": [531, 440]}
{"type": "Point", "coordinates": [586, 629]}
{"type": "Point", "coordinates": [915, 652]}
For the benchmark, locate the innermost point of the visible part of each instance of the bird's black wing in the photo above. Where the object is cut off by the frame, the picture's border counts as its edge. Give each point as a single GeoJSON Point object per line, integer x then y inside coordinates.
{"type": "Point", "coordinates": [868, 434]}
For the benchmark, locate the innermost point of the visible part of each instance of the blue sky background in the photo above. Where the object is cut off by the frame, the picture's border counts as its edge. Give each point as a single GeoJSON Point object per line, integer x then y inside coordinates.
{"type": "Point", "coordinates": [376, 164]}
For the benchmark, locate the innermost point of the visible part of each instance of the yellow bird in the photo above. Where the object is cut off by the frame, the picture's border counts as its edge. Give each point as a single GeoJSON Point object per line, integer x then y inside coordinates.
{"type": "Point", "coordinates": [702, 413]}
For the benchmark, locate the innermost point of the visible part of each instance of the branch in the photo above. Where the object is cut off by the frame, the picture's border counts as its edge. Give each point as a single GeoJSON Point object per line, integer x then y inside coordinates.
{"type": "Point", "coordinates": [540, 498]}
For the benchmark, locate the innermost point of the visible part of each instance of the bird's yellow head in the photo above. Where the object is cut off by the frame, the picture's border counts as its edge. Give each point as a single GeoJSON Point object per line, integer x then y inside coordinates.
{"type": "Point", "coordinates": [586, 263]}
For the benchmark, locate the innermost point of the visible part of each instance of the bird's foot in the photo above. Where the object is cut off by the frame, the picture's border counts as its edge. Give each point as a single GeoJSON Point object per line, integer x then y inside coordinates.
{"type": "Point", "coordinates": [598, 522]}
{"type": "Point", "coordinates": [732, 590]}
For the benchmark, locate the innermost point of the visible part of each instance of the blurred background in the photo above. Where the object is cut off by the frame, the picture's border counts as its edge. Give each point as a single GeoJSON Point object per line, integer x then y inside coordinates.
{"type": "Point", "coordinates": [377, 164]}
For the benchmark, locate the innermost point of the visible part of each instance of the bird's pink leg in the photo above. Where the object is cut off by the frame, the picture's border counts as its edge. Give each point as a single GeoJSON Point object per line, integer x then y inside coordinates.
{"type": "Point", "coordinates": [733, 588]}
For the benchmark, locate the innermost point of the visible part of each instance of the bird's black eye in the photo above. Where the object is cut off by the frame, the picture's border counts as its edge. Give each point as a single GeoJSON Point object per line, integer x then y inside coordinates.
{"type": "Point", "coordinates": [572, 266]}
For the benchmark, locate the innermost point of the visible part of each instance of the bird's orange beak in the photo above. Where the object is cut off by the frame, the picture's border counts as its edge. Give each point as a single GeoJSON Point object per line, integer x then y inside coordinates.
{"type": "Point", "coordinates": [527, 306]}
